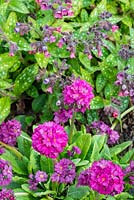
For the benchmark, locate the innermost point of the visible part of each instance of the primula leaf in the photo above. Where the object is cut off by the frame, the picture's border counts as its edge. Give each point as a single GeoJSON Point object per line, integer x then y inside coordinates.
{"type": "Point", "coordinates": [20, 194]}
{"type": "Point", "coordinates": [77, 192]}
{"type": "Point", "coordinates": [4, 108]}
{"type": "Point", "coordinates": [24, 144]}
{"type": "Point", "coordinates": [46, 164]}
{"type": "Point", "coordinates": [127, 157]}
{"type": "Point", "coordinates": [83, 142]}
{"type": "Point", "coordinates": [119, 148]}
{"type": "Point", "coordinates": [34, 163]}
{"type": "Point", "coordinates": [19, 165]}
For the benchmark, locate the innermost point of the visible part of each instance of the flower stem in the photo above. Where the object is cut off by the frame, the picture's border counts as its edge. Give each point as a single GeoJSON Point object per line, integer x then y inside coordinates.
{"type": "Point", "coordinates": [14, 150]}
{"type": "Point", "coordinates": [71, 128]}
{"type": "Point", "coordinates": [122, 115]}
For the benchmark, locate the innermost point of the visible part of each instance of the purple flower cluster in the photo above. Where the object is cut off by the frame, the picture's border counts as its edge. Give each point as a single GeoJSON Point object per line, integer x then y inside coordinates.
{"type": "Point", "coordinates": [49, 139]}
{"type": "Point", "coordinates": [59, 12]}
{"type": "Point", "coordinates": [103, 128]}
{"type": "Point", "coordinates": [63, 115]}
{"type": "Point", "coordinates": [75, 150]}
{"type": "Point", "coordinates": [22, 28]}
{"type": "Point", "coordinates": [5, 172]}
{"type": "Point", "coordinates": [78, 94]}
{"type": "Point", "coordinates": [126, 52]}
{"type": "Point", "coordinates": [48, 37]}
{"type": "Point", "coordinates": [129, 172]}
{"type": "Point", "coordinates": [34, 180]}
{"type": "Point", "coordinates": [64, 171]}
{"type": "Point", "coordinates": [126, 82]}
{"type": "Point", "coordinates": [103, 176]}
{"type": "Point", "coordinates": [9, 131]}
{"type": "Point", "coordinates": [6, 194]}
{"type": "Point", "coordinates": [111, 111]}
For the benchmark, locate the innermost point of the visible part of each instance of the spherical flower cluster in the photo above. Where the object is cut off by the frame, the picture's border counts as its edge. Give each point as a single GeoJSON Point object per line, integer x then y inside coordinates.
{"type": "Point", "coordinates": [6, 194]}
{"type": "Point", "coordinates": [129, 172]}
{"type": "Point", "coordinates": [62, 115]}
{"type": "Point", "coordinates": [103, 128]}
{"type": "Point", "coordinates": [103, 176]}
{"type": "Point", "coordinates": [79, 94]}
{"type": "Point", "coordinates": [49, 139]}
{"type": "Point", "coordinates": [39, 177]}
{"type": "Point", "coordinates": [64, 171]}
{"type": "Point", "coordinates": [6, 172]}
{"type": "Point", "coordinates": [9, 131]}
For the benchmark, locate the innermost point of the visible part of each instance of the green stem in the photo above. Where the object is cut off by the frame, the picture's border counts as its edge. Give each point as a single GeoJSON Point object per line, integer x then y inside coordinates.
{"type": "Point", "coordinates": [122, 115]}
{"type": "Point", "coordinates": [14, 150]}
{"type": "Point", "coordinates": [71, 128]}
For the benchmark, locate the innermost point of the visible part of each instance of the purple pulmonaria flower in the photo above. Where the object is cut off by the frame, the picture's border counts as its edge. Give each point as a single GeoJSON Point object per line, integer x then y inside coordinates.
{"type": "Point", "coordinates": [79, 94]}
{"type": "Point", "coordinates": [40, 176]}
{"type": "Point", "coordinates": [62, 115]}
{"type": "Point", "coordinates": [49, 139]}
{"type": "Point", "coordinates": [5, 173]}
{"type": "Point", "coordinates": [115, 28]}
{"type": "Point", "coordinates": [64, 171]}
{"type": "Point", "coordinates": [6, 194]}
{"type": "Point", "coordinates": [9, 131]}
{"type": "Point", "coordinates": [103, 176]}
{"type": "Point", "coordinates": [103, 128]}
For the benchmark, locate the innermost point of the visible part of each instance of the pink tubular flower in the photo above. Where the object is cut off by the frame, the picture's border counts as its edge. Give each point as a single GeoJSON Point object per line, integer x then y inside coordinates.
{"type": "Point", "coordinates": [72, 55]}
{"type": "Point", "coordinates": [49, 139]}
{"type": "Point", "coordinates": [62, 115]}
{"type": "Point", "coordinates": [78, 93]}
{"type": "Point", "coordinates": [115, 28]}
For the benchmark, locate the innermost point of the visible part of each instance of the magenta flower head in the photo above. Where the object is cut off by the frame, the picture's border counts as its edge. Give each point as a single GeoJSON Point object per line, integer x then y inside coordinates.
{"type": "Point", "coordinates": [79, 93]}
{"type": "Point", "coordinates": [6, 194]}
{"type": "Point", "coordinates": [9, 131]}
{"type": "Point", "coordinates": [49, 139]}
{"type": "Point", "coordinates": [103, 176]}
{"type": "Point", "coordinates": [5, 173]}
{"type": "Point", "coordinates": [64, 171]}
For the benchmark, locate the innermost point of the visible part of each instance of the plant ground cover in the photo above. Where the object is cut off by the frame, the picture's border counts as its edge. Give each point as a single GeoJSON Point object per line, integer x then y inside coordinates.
{"type": "Point", "coordinates": [66, 99]}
